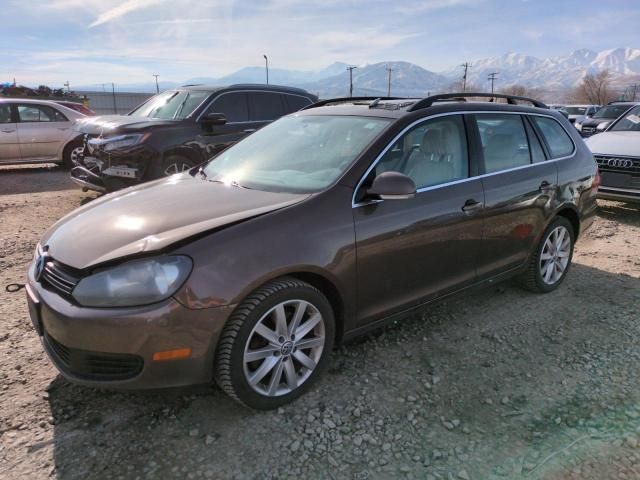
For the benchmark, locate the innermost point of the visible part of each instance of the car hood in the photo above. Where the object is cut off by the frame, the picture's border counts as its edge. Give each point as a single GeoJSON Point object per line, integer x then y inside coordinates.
{"type": "Point", "coordinates": [153, 216]}
{"type": "Point", "coordinates": [615, 143]}
{"type": "Point", "coordinates": [594, 122]}
{"type": "Point", "coordinates": [106, 124]}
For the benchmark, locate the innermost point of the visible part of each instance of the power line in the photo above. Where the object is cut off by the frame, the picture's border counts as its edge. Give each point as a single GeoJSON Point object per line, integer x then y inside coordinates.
{"type": "Point", "coordinates": [351, 69]}
{"type": "Point", "coordinates": [492, 77]}
{"type": "Point", "coordinates": [466, 66]}
{"type": "Point", "coordinates": [389, 70]}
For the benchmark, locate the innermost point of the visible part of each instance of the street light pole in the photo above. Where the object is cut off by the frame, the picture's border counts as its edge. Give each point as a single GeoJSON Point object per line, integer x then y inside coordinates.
{"type": "Point", "coordinates": [266, 66]}
{"type": "Point", "coordinates": [157, 87]}
{"type": "Point", "coordinates": [351, 69]}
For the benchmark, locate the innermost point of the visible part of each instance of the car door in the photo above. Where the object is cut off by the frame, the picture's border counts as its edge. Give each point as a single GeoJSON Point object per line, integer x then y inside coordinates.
{"type": "Point", "coordinates": [9, 145]}
{"type": "Point", "coordinates": [234, 106]}
{"type": "Point", "coordinates": [41, 130]}
{"type": "Point", "coordinates": [519, 184]}
{"type": "Point", "coordinates": [410, 251]}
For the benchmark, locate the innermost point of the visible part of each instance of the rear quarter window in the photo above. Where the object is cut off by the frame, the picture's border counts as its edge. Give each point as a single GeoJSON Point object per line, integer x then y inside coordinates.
{"type": "Point", "coordinates": [558, 140]}
{"type": "Point", "coordinates": [296, 102]}
{"type": "Point", "coordinates": [265, 106]}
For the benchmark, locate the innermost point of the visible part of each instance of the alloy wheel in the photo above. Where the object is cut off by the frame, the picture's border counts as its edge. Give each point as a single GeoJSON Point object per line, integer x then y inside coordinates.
{"type": "Point", "coordinates": [284, 348]}
{"type": "Point", "coordinates": [176, 167]}
{"type": "Point", "coordinates": [555, 255]}
{"type": "Point", "coordinates": [76, 155]}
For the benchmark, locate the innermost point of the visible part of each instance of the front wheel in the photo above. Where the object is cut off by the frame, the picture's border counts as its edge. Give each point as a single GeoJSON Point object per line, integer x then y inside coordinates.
{"type": "Point", "coordinates": [173, 164]}
{"type": "Point", "coordinates": [72, 154]}
{"type": "Point", "coordinates": [275, 344]}
{"type": "Point", "coordinates": [551, 262]}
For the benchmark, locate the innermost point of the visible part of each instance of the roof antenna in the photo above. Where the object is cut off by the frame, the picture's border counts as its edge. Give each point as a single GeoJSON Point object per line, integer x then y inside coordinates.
{"type": "Point", "coordinates": [375, 102]}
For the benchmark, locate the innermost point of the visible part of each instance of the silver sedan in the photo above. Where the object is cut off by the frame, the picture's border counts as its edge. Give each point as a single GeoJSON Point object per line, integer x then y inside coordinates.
{"type": "Point", "coordinates": [33, 131]}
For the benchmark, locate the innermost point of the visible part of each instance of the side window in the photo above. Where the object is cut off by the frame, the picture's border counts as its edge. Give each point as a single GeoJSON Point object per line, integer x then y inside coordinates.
{"type": "Point", "coordinates": [431, 153]}
{"type": "Point", "coordinates": [59, 117]}
{"type": "Point", "coordinates": [5, 113]}
{"type": "Point", "coordinates": [504, 141]}
{"type": "Point", "coordinates": [296, 102]}
{"type": "Point", "coordinates": [265, 106]}
{"type": "Point", "coordinates": [36, 113]}
{"type": "Point", "coordinates": [232, 105]}
{"type": "Point", "coordinates": [557, 138]}
{"type": "Point", "coordinates": [535, 147]}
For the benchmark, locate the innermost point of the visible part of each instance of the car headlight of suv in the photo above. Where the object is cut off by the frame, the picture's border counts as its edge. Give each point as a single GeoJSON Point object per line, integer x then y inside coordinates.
{"type": "Point", "coordinates": [602, 126]}
{"type": "Point", "coordinates": [578, 126]}
{"type": "Point", "coordinates": [119, 141]}
{"type": "Point", "coordinates": [134, 283]}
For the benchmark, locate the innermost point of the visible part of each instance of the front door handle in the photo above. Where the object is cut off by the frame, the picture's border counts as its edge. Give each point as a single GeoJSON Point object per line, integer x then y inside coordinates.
{"type": "Point", "coordinates": [63, 128]}
{"type": "Point", "coordinates": [545, 186]}
{"type": "Point", "coordinates": [471, 205]}
{"type": "Point", "coordinates": [249, 130]}
{"type": "Point", "coordinates": [8, 131]}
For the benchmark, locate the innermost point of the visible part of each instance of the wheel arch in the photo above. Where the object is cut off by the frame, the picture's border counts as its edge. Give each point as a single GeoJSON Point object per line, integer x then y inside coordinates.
{"type": "Point", "coordinates": [571, 214]}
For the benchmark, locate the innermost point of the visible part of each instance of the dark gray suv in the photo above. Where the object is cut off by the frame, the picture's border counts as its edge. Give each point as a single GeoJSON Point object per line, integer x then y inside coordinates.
{"type": "Point", "coordinates": [319, 227]}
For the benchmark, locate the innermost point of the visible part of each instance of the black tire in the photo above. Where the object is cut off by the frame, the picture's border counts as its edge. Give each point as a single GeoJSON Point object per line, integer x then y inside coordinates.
{"type": "Point", "coordinates": [532, 279]}
{"type": "Point", "coordinates": [170, 165]}
{"type": "Point", "coordinates": [67, 161]}
{"type": "Point", "coordinates": [229, 364]}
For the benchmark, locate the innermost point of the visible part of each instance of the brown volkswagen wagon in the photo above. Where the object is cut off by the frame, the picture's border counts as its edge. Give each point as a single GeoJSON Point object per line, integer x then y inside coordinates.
{"type": "Point", "coordinates": [314, 229]}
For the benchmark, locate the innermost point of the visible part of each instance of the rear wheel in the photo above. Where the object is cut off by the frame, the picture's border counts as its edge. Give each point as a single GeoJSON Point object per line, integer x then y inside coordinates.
{"type": "Point", "coordinates": [551, 262]}
{"type": "Point", "coordinates": [275, 344]}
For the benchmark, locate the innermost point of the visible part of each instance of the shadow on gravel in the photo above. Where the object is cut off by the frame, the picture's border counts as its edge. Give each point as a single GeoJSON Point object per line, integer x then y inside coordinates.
{"type": "Point", "coordinates": [499, 382]}
{"type": "Point", "coordinates": [625, 213]}
{"type": "Point", "coordinates": [34, 179]}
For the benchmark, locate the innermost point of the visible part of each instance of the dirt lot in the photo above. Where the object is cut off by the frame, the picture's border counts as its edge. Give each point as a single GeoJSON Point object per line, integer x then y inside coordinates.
{"type": "Point", "coordinates": [499, 383]}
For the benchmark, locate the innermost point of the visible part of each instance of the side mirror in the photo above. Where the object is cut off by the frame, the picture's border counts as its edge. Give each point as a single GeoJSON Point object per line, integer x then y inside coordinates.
{"type": "Point", "coordinates": [214, 119]}
{"type": "Point", "coordinates": [392, 186]}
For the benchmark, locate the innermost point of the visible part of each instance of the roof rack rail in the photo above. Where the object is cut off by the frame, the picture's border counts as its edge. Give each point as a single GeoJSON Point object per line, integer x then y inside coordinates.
{"type": "Point", "coordinates": [511, 99]}
{"type": "Point", "coordinates": [338, 100]}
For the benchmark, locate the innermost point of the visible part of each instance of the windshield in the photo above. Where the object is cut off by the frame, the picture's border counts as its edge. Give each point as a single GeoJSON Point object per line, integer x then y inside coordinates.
{"type": "Point", "coordinates": [629, 123]}
{"type": "Point", "coordinates": [171, 105]}
{"type": "Point", "coordinates": [300, 154]}
{"type": "Point", "coordinates": [575, 110]}
{"type": "Point", "coordinates": [611, 111]}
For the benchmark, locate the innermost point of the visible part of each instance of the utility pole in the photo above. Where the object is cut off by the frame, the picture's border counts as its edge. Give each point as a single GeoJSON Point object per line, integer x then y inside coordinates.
{"type": "Point", "coordinates": [157, 87]}
{"type": "Point", "coordinates": [351, 69]}
{"type": "Point", "coordinates": [389, 70]}
{"type": "Point", "coordinates": [633, 91]}
{"type": "Point", "coordinates": [466, 66]}
{"type": "Point", "coordinates": [113, 92]}
{"type": "Point", "coordinates": [266, 66]}
{"type": "Point", "coordinates": [67, 85]}
{"type": "Point", "coordinates": [492, 77]}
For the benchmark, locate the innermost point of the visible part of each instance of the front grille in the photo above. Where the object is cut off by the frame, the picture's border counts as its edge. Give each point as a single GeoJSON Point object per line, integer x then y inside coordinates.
{"type": "Point", "coordinates": [59, 278]}
{"type": "Point", "coordinates": [616, 163]}
{"type": "Point", "coordinates": [98, 366]}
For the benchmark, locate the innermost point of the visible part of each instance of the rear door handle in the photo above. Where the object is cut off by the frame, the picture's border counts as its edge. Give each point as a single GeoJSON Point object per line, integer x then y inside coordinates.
{"type": "Point", "coordinates": [249, 130]}
{"type": "Point", "coordinates": [8, 131]}
{"type": "Point", "coordinates": [471, 205]}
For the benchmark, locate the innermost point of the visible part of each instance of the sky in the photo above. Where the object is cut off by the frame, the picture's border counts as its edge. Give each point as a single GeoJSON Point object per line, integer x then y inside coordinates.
{"type": "Point", "coordinates": [90, 42]}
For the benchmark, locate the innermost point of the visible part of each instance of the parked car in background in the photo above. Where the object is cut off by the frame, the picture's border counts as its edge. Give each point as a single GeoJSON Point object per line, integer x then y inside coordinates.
{"type": "Point", "coordinates": [578, 113]}
{"type": "Point", "coordinates": [617, 152]}
{"type": "Point", "coordinates": [176, 130]}
{"type": "Point", "coordinates": [38, 131]}
{"type": "Point", "coordinates": [317, 228]}
{"type": "Point", "coordinates": [77, 106]}
{"type": "Point", "coordinates": [603, 118]}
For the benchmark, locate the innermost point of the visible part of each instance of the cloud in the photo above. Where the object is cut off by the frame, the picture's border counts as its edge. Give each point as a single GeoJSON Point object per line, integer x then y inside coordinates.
{"type": "Point", "coordinates": [122, 9]}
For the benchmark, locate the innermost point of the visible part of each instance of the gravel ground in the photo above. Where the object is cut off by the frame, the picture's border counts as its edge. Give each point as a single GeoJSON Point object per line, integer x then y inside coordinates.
{"type": "Point", "coordinates": [499, 383]}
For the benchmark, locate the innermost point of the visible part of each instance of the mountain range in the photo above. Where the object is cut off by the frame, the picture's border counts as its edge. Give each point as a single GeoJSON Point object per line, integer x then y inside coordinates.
{"type": "Point", "coordinates": [407, 79]}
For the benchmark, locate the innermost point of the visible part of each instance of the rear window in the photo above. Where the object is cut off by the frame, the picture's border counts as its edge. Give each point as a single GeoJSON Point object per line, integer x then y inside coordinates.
{"type": "Point", "coordinates": [504, 141]}
{"type": "Point", "coordinates": [557, 138]}
{"type": "Point", "coordinates": [296, 102]}
{"type": "Point", "coordinates": [265, 106]}
{"type": "Point", "coordinates": [231, 105]}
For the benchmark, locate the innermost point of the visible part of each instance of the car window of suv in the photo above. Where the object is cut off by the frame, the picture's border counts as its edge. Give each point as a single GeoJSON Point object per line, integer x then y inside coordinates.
{"type": "Point", "coordinates": [535, 147]}
{"type": "Point", "coordinates": [37, 113]}
{"type": "Point", "coordinates": [265, 106]}
{"type": "Point", "coordinates": [296, 102]}
{"type": "Point", "coordinates": [431, 153]}
{"type": "Point", "coordinates": [5, 113]}
{"type": "Point", "coordinates": [504, 141]}
{"type": "Point", "coordinates": [232, 105]}
{"type": "Point", "coordinates": [560, 145]}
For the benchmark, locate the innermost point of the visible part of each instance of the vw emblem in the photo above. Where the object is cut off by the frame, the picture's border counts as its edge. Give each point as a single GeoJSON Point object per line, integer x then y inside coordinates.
{"type": "Point", "coordinates": [287, 348]}
{"type": "Point", "coordinates": [41, 261]}
{"type": "Point", "coordinates": [620, 163]}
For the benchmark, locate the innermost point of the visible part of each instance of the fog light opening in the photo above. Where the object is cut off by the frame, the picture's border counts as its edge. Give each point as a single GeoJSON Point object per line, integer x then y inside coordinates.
{"type": "Point", "coordinates": [176, 354]}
